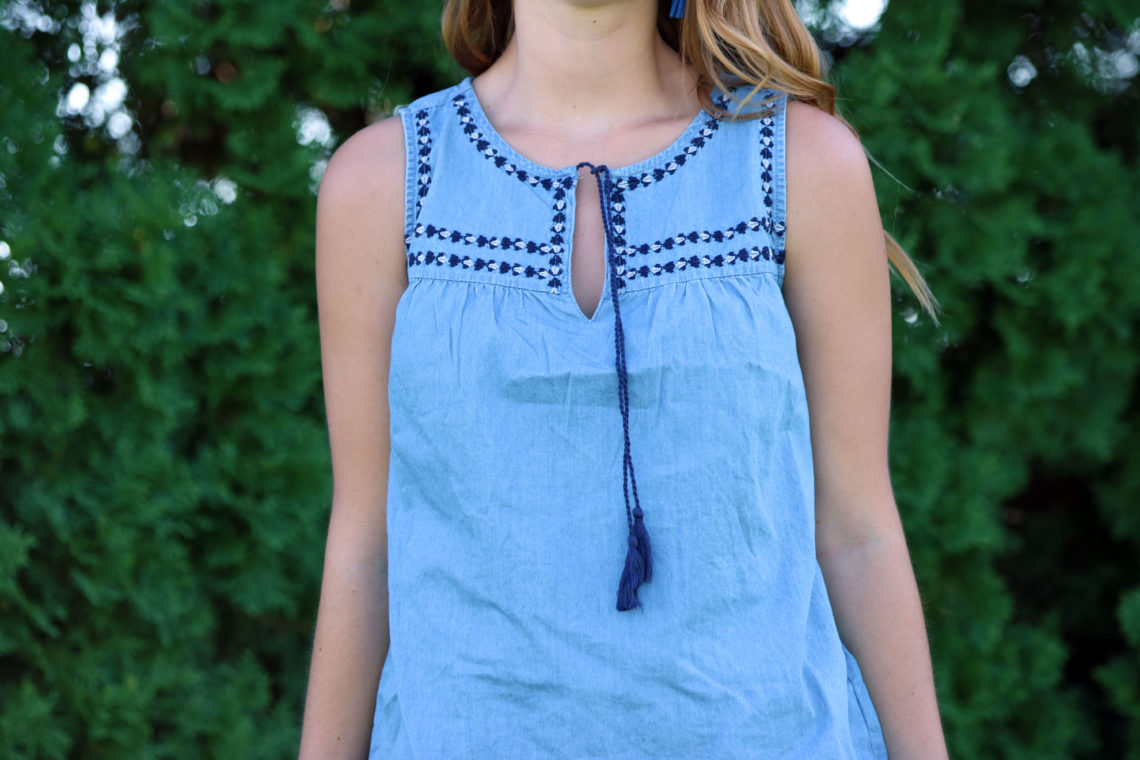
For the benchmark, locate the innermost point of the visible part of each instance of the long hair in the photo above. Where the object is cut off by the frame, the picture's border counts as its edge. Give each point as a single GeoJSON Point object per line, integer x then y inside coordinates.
{"type": "Point", "coordinates": [759, 43]}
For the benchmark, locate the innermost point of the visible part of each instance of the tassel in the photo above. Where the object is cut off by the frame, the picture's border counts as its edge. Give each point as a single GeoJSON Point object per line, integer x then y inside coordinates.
{"type": "Point", "coordinates": [642, 542]}
{"type": "Point", "coordinates": [631, 576]}
{"type": "Point", "coordinates": [638, 561]}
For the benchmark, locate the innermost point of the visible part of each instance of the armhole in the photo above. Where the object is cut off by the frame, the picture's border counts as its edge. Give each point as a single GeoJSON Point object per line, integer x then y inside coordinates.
{"type": "Point", "coordinates": [411, 171]}
{"type": "Point", "coordinates": [778, 212]}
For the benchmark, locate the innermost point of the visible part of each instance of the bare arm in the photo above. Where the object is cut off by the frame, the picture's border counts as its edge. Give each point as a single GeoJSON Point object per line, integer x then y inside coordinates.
{"type": "Point", "coordinates": [837, 288]}
{"type": "Point", "coordinates": [360, 276]}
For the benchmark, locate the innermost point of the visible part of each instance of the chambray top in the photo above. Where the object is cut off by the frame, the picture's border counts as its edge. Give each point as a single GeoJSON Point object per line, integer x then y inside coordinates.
{"type": "Point", "coordinates": [507, 500]}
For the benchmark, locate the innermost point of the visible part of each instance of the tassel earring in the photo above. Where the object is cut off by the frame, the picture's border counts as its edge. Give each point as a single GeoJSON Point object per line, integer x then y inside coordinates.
{"type": "Point", "coordinates": [677, 10]}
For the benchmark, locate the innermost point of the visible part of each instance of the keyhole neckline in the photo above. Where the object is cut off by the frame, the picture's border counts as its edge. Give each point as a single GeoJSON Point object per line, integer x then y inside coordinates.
{"type": "Point", "coordinates": [597, 174]}
{"type": "Point", "coordinates": [677, 147]}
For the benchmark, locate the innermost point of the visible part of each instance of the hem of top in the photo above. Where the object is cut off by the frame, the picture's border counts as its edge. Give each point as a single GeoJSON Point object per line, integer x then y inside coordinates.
{"type": "Point", "coordinates": [699, 122]}
{"type": "Point", "coordinates": [858, 689]}
{"type": "Point", "coordinates": [862, 711]}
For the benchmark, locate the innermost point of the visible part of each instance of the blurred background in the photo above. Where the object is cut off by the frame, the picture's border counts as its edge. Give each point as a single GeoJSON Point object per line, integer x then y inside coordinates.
{"type": "Point", "coordinates": [164, 468]}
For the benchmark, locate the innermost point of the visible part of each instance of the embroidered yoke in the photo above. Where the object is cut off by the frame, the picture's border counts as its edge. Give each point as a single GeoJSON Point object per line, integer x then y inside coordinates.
{"type": "Point", "coordinates": [517, 422]}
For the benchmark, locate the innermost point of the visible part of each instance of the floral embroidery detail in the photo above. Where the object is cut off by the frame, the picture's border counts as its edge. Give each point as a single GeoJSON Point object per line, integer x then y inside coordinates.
{"type": "Point", "coordinates": [423, 139]}
{"type": "Point", "coordinates": [617, 217]}
{"type": "Point", "coordinates": [648, 178]}
{"type": "Point", "coordinates": [552, 269]}
{"type": "Point", "coordinates": [692, 262]}
{"type": "Point", "coordinates": [557, 227]}
{"type": "Point", "coordinates": [467, 119]}
{"type": "Point", "coordinates": [477, 263]}
{"type": "Point", "coordinates": [490, 153]}
{"type": "Point", "coordinates": [715, 236]}
{"type": "Point", "coordinates": [767, 143]}
{"type": "Point", "coordinates": [711, 125]}
{"type": "Point", "coordinates": [481, 241]}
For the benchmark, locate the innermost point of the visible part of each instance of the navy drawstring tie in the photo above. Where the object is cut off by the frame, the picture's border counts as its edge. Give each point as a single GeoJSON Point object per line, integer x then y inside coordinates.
{"type": "Point", "coordinates": [638, 559]}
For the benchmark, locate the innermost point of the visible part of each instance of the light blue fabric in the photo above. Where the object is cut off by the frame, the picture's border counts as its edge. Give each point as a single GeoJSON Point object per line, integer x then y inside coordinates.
{"type": "Point", "coordinates": [506, 519]}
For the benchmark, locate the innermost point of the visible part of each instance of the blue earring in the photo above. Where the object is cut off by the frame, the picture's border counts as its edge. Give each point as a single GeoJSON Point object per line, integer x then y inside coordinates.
{"type": "Point", "coordinates": [677, 10]}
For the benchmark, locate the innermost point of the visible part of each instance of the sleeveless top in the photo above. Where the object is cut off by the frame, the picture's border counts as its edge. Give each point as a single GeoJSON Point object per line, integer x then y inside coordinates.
{"type": "Point", "coordinates": [518, 424]}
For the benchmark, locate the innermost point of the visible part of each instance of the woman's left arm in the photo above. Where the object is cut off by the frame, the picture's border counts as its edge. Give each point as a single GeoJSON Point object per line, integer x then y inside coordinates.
{"type": "Point", "coordinates": [837, 290]}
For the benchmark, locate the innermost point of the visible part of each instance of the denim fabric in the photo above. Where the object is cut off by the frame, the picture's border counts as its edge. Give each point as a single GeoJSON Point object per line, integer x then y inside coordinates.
{"type": "Point", "coordinates": [506, 518]}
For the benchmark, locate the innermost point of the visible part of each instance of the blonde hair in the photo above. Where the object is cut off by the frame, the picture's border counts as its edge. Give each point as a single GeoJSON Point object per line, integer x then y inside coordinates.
{"type": "Point", "coordinates": [760, 43]}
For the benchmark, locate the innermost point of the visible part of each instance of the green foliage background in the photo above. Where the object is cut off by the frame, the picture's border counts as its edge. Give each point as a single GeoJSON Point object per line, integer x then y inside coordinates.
{"type": "Point", "coordinates": [164, 469]}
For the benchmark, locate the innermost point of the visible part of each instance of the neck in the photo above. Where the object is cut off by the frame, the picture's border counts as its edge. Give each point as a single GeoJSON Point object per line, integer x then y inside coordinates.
{"type": "Point", "coordinates": [581, 70]}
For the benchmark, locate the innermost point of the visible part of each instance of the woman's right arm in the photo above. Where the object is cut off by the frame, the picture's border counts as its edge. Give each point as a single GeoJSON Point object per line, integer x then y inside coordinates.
{"type": "Point", "coordinates": [360, 275]}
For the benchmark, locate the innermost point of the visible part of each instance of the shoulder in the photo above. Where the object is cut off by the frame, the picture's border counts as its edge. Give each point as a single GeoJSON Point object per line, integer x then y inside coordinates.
{"type": "Point", "coordinates": [371, 165]}
{"type": "Point", "coordinates": [360, 222]}
{"type": "Point", "coordinates": [836, 263]}
{"type": "Point", "coordinates": [820, 147]}
{"type": "Point", "coordinates": [368, 164]}
{"type": "Point", "coordinates": [830, 200]}
{"type": "Point", "coordinates": [362, 192]}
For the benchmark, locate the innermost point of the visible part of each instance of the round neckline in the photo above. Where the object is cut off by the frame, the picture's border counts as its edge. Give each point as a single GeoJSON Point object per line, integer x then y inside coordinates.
{"type": "Point", "coordinates": [533, 167]}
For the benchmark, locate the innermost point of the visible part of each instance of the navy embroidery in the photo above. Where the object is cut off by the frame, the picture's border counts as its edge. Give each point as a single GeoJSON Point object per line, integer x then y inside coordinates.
{"type": "Point", "coordinates": [503, 242]}
{"type": "Point", "coordinates": [478, 139]}
{"type": "Point", "coordinates": [553, 248]}
{"type": "Point", "coordinates": [617, 217]}
{"type": "Point", "coordinates": [490, 153]}
{"type": "Point", "coordinates": [692, 262]}
{"type": "Point", "coordinates": [423, 138]}
{"type": "Point", "coordinates": [559, 185]}
{"type": "Point", "coordinates": [715, 236]}
{"type": "Point", "coordinates": [690, 150]}
{"type": "Point", "coordinates": [477, 264]}
{"type": "Point", "coordinates": [706, 132]}
{"type": "Point", "coordinates": [767, 143]}
{"type": "Point", "coordinates": [557, 227]}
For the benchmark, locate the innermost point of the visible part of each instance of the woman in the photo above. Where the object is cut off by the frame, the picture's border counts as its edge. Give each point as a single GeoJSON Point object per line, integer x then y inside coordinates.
{"type": "Point", "coordinates": [579, 257]}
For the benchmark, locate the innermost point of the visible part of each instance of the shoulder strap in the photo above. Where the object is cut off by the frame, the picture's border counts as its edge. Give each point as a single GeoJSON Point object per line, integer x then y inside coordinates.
{"type": "Point", "coordinates": [773, 161]}
{"type": "Point", "coordinates": [417, 143]}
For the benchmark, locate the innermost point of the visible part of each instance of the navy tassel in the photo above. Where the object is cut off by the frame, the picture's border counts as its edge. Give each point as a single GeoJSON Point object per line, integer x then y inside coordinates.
{"type": "Point", "coordinates": [638, 559]}
{"type": "Point", "coordinates": [677, 10]}
{"type": "Point", "coordinates": [632, 575]}
{"type": "Point", "coordinates": [642, 542]}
